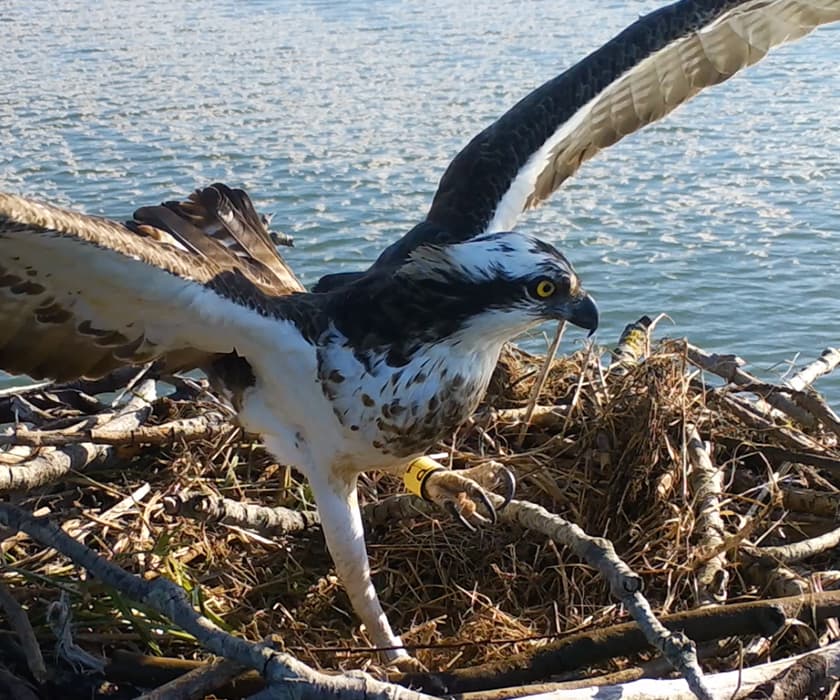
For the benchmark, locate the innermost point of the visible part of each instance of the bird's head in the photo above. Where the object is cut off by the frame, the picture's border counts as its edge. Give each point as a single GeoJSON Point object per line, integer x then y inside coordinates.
{"type": "Point", "coordinates": [500, 284]}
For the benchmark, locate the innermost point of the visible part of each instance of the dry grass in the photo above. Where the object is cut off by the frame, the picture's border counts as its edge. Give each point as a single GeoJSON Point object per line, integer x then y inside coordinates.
{"type": "Point", "coordinates": [610, 458]}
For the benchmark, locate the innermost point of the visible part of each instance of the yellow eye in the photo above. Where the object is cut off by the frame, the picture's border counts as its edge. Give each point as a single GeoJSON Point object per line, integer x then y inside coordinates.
{"type": "Point", "coordinates": [545, 288]}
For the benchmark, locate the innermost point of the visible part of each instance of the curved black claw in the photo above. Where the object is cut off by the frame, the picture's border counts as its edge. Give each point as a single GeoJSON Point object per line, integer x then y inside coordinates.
{"type": "Point", "coordinates": [485, 501]}
{"type": "Point", "coordinates": [453, 510]}
{"type": "Point", "coordinates": [508, 480]}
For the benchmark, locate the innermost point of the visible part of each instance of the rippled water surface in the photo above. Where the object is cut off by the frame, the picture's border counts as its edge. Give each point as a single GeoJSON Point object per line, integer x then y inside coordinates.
{"type": "Point", "coordinates": [340, 117]}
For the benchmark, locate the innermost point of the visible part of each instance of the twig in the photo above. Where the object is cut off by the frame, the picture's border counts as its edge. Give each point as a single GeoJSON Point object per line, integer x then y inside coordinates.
{"type": "Point", "coordinates": [797, 551]}
{"type": "Point", "coordinates": [53, 463]}
{"type": "Point", "coordinates": [197, 683]}
{"type": "Point", "coordinates": [728, 367]}
{"type": "Point", "coordinates": [269, 522]}
{"type": "Point", "coordinates": [825, 363]}
{"type": "Point", "coordinates": [707, 483]}
{"type": "Point", "coordinates": [540, 381]}
{"type": "Point", "coordinates": [206, 425]}
{"type": "Point", "coordinates": [285, 674]}
{"type": "Point", "coordinates": [19, 622]}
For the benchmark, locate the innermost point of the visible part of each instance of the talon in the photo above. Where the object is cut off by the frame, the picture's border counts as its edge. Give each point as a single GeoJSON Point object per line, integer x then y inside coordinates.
{"type": "Point", "coordinates": [453, 510]}
{"type": "Point", "coordinates": [487, 504]}
{"type": "Point", "coordinates": [509, 484]}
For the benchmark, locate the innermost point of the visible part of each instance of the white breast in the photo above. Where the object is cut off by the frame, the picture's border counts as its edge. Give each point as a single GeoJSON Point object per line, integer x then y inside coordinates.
{"type": "Point", "coordinates": [392, 413]}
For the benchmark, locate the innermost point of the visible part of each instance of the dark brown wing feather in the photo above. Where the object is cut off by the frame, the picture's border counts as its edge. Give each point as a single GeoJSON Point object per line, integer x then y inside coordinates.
{"type": "Point", "coordinates": [221, 215]}
{"type": "Point", "coordinates": [64, 316]}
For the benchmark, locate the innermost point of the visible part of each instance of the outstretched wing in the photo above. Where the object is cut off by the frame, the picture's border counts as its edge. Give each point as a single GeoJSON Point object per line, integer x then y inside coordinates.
{"type": "Point", "coordinates": [81, 295]}
{"type": "Point", "coordinates": [658, 63]}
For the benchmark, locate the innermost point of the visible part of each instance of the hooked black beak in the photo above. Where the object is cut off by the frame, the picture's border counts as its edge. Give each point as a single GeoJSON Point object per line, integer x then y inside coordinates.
{"type": "Point", "coordinates": [583, 312]}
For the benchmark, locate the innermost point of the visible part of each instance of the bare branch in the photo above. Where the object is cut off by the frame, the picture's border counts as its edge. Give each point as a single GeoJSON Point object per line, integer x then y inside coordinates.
{"type": "Point", "coordinates": [199, 682]}
{"type": "Point", "coordinates": [280, 669]}
{"type": "Point", "coordinates": [51, 464]}
{"type": "Point", "coordinates": [19, 622]}
{"type": "Point", "coordinates": [207, 425]}
{"type": "Point", "coordinates": [797, 551]}
{"type": "Point", "coordinates": [728, 367]}
{"type": "Point", "coordinates": [707, 482]}
{"type": "Point", "coordinates": [269, 522]}
{"type": "Point", "coordinates": [825, 363]}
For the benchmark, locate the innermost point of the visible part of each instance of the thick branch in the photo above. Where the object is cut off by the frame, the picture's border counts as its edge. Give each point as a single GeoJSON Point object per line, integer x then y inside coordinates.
{"type": "Point", "coordinates": [795, 677]}
{"type": "Point", "coordinates": [292, 678]}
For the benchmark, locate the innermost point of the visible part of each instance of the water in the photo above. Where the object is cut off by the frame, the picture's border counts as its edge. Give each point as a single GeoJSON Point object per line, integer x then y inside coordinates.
{"type": "Point", "coordinates": [340, 118]}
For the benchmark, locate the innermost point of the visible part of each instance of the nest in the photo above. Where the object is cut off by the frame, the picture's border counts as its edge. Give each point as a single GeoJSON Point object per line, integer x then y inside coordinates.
{"type": "Point", "coordinates": [608, 448]}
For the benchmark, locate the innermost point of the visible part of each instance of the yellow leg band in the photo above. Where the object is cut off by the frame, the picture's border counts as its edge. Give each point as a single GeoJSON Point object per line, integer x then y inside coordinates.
{"type": "Point", "coordinates": [417, 473]}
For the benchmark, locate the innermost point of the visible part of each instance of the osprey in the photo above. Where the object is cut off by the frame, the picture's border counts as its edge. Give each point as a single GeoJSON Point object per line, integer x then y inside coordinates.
{"type": "Point", "coordinates": [372, 368]}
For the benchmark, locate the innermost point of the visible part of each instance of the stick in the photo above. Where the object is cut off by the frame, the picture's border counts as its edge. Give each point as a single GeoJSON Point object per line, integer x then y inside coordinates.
{"type": "Point", "coordinates": [207, 425]}
{"type": "Point", "coordinates": [824, 364]}
{"type": "Point", "coordinates": [155, 671]}
{"type": "Point", "coordinates": [197, 683]}
{"type": "Point", "coordinates": [540, 382]}
{"type": "Point", "coordinates": [19, 622]}
{"type": "Point", "coordinates": [281, 670]}
{"type": "Point", "coordinates": [728, 367]}
{"type": "Point", "coordinates": [54, 463]}
{"type": "Point", "coordinates": [707, 482]}
{"type": "Point", "coordinates": [269, 522]}
{"type": "Point", "coordinates": [797, 551]}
